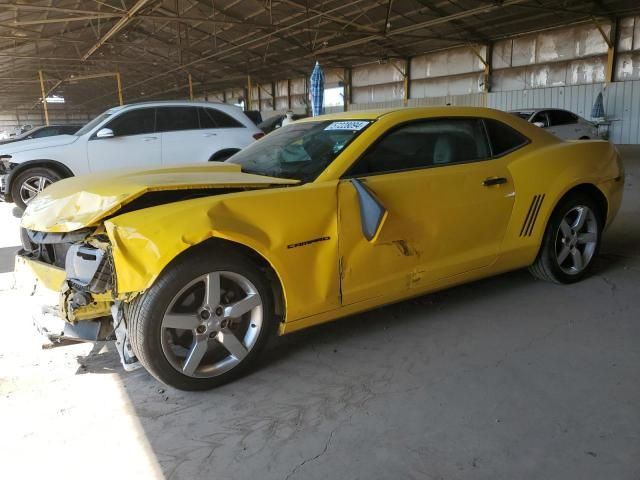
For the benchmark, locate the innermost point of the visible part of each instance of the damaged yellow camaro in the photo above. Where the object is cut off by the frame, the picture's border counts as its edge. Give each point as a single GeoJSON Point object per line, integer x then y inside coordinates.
{"type": "Point", "coordinates": [323, 218]}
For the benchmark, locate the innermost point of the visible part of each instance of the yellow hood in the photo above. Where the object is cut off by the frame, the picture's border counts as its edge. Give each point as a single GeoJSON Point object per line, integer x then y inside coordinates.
{"type": "Point", "coordinates": [79, 202]}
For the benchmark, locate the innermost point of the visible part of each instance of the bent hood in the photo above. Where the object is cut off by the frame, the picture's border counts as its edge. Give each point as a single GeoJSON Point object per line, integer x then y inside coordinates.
{"type": "Point", "coordinates": [36, 143]}
{"type": "Point", "coordinates": [84, 201]}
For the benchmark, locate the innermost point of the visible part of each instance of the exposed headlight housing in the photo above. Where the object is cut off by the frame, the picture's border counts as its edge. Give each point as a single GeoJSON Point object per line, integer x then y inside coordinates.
{"type": "Point", "coordinates": [88, 268]}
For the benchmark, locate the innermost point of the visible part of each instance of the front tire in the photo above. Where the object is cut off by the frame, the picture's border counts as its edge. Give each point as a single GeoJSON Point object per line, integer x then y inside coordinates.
{"type": "Point", "coordinates": [204, 321]}
{"type": "Point", "coordinates": [29, 183]}
{"type": "Point", "coordinates": [571, 240]}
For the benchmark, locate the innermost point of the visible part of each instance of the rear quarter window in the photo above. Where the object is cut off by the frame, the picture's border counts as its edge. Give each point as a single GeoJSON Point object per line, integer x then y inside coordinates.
{"type": "Point", "coordinates": [503, 138]}
{"type": "Point", "coordinates": [214, 118]}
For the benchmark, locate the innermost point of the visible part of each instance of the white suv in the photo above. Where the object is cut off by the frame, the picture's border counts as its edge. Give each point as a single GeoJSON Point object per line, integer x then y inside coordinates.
{"type": "Point", "coordinates": [138, 135]}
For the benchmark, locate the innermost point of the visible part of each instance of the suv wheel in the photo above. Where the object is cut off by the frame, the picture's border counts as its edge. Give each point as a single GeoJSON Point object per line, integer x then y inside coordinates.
{"type": "Point", "coordinates": [29, 183]}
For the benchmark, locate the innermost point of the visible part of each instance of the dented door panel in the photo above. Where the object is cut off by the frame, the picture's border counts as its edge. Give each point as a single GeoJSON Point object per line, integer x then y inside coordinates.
{"type": "Point", "coordinates": [439, 222]}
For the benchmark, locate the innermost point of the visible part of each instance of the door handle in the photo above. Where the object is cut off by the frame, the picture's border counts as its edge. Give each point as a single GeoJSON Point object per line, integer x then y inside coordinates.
{"type": "Point", "coordinates": [494, 181]}
{"type": "Point", "coordinates": [209, 134]}
{"type": "Point", "coordinates": [148, 139]}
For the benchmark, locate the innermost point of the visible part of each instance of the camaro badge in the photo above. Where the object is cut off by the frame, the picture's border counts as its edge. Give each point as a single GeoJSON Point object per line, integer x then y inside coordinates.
{"type": "Point", "coordinates": [308, 242]}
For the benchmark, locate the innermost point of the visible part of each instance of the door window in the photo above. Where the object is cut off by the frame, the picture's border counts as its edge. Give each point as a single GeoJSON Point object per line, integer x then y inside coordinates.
{"type": "Point", "coordinates": [213, 118]}
{"type": "Point", "coordinates": [134, 122]}
{"type": "Point", "coordinates": [171, 119]}
{"type": "Point", "coordinates": [503, 138]}
{"type": "Point", "coordinates": [428, 143]}
{"type": "Point", "coordinates": [541, 117]}
{"type": "Point", "coordinates": [561, 117]}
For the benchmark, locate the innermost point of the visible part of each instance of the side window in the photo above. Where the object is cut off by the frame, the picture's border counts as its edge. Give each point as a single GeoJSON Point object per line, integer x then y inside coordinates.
{"type": "Point", "coordinates": [426, 143]}
{"type": "Point", "coordinates": [503, 138]}
{"type": "Point", "coordinates": [561, 117]}
{"type": "Point", "coordinates": [213, 118]}
{"type": "Point", "coordinates": [541, 117]}
{"type": "Point", "coordinates": [134, 122]}
{"type": "Point", "coordinates": [171, 119]}
{"type": "Point", "coordinates": [45, 132]}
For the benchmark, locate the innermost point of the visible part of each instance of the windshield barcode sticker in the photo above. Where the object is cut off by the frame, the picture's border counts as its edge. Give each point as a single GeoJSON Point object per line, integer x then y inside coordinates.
{"type": "Point", "coordinates": [347, 125]}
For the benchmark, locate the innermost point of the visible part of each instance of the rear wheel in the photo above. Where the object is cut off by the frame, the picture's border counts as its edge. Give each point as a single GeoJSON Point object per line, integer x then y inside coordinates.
{"type": "Point", "coordinates": [571, 241]}
{"type": "Point", "coordinates": [29, 183]}
{"type": "Point", "coordinates": [203, 322]}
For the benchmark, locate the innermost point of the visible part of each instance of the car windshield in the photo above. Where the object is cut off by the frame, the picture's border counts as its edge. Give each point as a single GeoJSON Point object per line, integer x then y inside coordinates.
{"type": "Point", "coordinates": [300, 150]}
{"type": "Point", "coordinates": [89, 126]}
{"type": "Point", "coordinates": [523, 115]}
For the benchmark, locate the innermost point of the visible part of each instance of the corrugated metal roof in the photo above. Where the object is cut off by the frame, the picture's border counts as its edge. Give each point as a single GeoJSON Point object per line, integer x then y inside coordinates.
{"type": "Point", "coordinates": [155, 44]}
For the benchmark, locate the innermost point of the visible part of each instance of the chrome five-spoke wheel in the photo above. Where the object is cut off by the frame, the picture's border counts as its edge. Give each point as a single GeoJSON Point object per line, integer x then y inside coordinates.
{"type": "Point", "coordinates": [212, 324]}
{"type": "Point", "coordinates": [576, 239]}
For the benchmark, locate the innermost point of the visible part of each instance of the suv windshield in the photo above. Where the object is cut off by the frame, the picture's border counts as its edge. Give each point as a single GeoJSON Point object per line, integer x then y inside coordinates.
{"type": "Point", "coordinates": [89, 126]}
{"type": "Point", "coordinates": [300, 150]}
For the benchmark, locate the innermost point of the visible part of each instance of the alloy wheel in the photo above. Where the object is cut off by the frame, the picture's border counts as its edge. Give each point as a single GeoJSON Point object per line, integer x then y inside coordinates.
{"type": "Point", "coordinates": [576, 239]}
{"type": "Point", "coordinates": [32, 186]}
{"type": "Point", "coordinates": [212, 324]}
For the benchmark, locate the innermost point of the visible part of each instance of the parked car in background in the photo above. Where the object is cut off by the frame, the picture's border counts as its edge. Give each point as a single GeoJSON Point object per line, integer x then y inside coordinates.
{"type": "Point", "coordinates": [143, 135]}
{"type": "Point", "coordinates": [271, 123]}
{"type": "Point", "coordinates": [43, 131]}
{"type": "Point", "coordinates": [254, 115]}
{"type": "Point", "coordinates": [561, 123]}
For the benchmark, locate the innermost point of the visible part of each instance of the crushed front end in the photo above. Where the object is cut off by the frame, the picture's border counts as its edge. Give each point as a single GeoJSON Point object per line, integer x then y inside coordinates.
{"type": "Point", "coordinates": [78, 265]}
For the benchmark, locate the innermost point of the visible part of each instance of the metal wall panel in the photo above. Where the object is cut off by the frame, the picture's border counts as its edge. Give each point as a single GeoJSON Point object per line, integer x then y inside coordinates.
{"type": "Point", "coordinates": [621, 103]}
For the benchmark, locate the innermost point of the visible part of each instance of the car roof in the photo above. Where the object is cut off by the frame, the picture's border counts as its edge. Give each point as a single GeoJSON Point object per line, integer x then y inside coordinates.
{"type": "Point", "coordinates": [165, 103]}
{"type": "Point", "coordinates": [441, 111]}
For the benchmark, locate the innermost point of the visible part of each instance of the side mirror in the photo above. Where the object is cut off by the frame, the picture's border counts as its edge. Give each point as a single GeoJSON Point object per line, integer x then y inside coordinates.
{"type": "Point", "coordinates": [539, 124]}
{"type": "Point", "coordinates": [372, 212]}
{"type": "Point", "coordinates": [104, 133]}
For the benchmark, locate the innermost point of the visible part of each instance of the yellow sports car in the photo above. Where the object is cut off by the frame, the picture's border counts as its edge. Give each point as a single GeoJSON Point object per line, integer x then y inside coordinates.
{"type": "Point", "coordinates": [329, 216]}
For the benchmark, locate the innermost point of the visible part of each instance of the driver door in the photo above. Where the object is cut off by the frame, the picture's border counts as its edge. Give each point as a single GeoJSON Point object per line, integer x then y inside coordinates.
{"type": "Point", "coordinates": [446, 205]}
{"type": "Point", "coordinates": [134, 143]}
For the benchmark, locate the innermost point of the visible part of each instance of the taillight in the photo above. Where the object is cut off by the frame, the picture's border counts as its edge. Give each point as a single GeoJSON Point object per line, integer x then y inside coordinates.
{"type": "Point", "coordinates": [258, 135]}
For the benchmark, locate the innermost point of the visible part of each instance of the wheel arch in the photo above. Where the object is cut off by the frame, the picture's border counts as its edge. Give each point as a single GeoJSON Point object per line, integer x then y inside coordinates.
{"type": "Point", "coordinates": [593, 192]}
{"type": "Point", "coordinates": [221, 244]}
{"type": "Point", "coordinates": [223, 154]}
{"type": "Point", "coordinates": [58, 167]}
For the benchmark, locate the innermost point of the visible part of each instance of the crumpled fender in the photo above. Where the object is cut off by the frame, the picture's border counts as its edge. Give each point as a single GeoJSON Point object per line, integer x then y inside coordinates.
{"type": "Point", "coordinates": [294, 229]}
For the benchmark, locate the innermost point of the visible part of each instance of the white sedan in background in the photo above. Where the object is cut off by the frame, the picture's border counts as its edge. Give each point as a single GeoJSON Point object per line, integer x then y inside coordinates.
{"type": "Point", "coordinates": [561, 123]}
{"type": "Point", "coordinates": [141, 135]}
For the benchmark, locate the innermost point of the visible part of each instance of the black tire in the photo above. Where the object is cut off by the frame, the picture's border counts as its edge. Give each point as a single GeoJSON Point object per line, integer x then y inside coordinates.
{"type": "Point", "coordinates": [24, 176]}
{"type": "Point", "coordinates": [547, 266]}
{"type": "Point", "coordinates": [145, 313]}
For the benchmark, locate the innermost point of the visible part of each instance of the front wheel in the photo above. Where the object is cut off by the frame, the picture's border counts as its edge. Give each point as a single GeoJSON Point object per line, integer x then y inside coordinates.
{"type": "Point", "coordinates": [29, 183]}
{"type": "Point", "coordinates": [203, 322]}
{"type": "Point", "coordinates": [571, 241]}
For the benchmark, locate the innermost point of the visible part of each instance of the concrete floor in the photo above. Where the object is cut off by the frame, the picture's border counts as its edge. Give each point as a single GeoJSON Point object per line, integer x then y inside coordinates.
{"type": "Point", "coordinates": [506, 378]}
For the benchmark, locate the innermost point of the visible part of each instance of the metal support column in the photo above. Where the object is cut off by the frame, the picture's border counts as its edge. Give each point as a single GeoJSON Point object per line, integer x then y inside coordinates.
{"type": "Point", "coordinates": [288, 94]}
{"type": "Point", "coordinates": [119, 82]}
{"type": "Point", "coordinates": [190, 88]}
{"type": "Point", "coordinates": [273, 95]}
{"type": "Point", "coordinates": [44, 98]}
{"type": "Point", "coordinates": [407, 82]}
{"type": "Point", "coordinates": [611, 40]}
{"type": "Point", "coordinates": [248, 103]}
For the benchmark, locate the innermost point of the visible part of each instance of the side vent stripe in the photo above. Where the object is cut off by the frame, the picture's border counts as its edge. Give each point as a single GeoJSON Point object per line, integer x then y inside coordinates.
{"type": "Point", "coordinates": [532, 216]}
{"type": "Point", "coordinates": [526, 219]}
{"type": "Point", "coordinates": [535, 215]}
